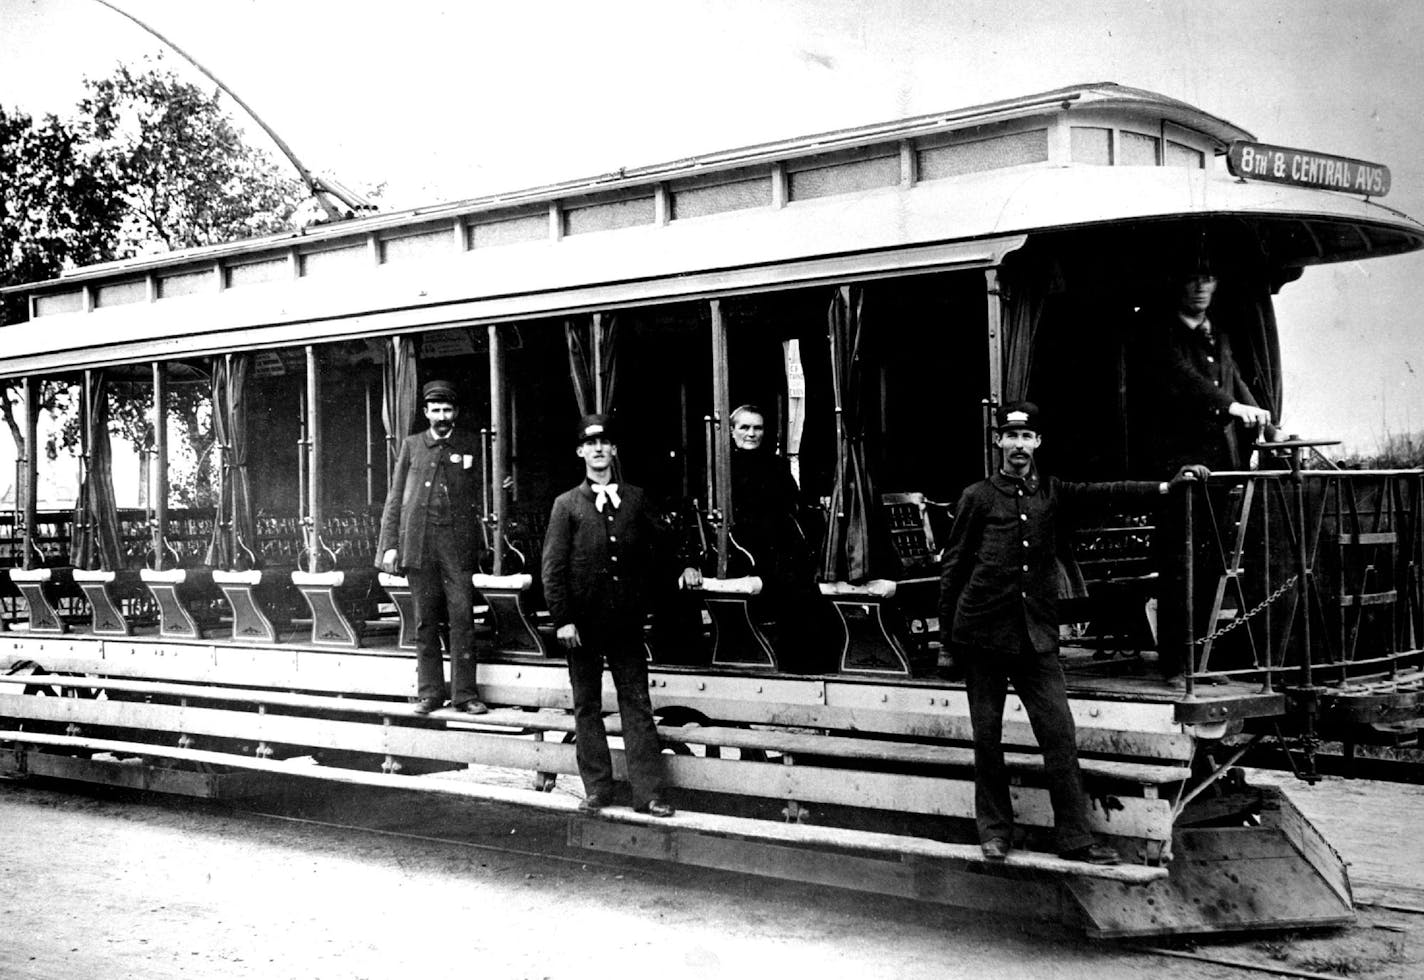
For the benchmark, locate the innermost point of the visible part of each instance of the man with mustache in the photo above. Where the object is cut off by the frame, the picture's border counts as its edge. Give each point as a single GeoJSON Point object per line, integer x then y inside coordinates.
{"type": "Point", "coordinates": [998, 614]}
{"type": "Point", "coordinates": [428, 529]}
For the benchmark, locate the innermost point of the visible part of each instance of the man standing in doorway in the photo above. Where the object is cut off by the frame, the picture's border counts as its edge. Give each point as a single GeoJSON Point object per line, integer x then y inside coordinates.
{"type": "Point", "coordinates": [428, 529]}
{"type": "Point", "coordinates": [998, 611]}
{"type": "Point", "coordinates": [599, 556]}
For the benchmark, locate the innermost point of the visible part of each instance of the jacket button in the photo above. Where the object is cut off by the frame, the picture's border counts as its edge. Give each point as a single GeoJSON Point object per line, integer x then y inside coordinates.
{"type": "Point", "coordinates": [1025, 542]}
{"type": "Point", "coordinates": [1023, 517]}
{"type": "Point", "coordinates": [427, 483]}
{"type": "Point", "coordinates": [1025, 568]}
{"type": "Point", "coordinates": [613, 537]}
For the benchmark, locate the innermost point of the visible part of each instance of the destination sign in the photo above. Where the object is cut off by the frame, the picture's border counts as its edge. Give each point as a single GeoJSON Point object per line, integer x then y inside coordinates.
{"type": "Point", "coordinates": [1284, 165]}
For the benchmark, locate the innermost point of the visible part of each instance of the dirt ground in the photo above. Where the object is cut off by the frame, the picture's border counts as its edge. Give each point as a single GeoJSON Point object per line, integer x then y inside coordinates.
{"type": "Point", "coordinates": [108, 884]}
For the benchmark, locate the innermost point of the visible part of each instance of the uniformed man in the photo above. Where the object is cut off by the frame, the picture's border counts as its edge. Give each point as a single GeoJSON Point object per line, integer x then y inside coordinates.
{"type": "Point", "coordinates": [998, 611]}
{"type": "Point", "coordinates": [1203, 401]}
{"type": "Point", "coordinates": [429, 531]}
{"type": "Point", "coordinates": [599, 555]}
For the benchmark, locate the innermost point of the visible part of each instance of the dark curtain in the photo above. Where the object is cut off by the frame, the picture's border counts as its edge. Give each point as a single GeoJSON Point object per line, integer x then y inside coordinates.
{"type": "Point", "coordinates": [1025, 289]}
{"type": "Point", "coordinates": [398, 395]}
{"type": "Point", "coordinates": [582, 346]}
{"type": "Point", "coordinates": [98, 543]}
{"type": "Point", "coordinates": [234, 492]}
{"type": "Point", "coordinates": [846, 555]}
{"type": "Point", "coordinates": [1258, 347]}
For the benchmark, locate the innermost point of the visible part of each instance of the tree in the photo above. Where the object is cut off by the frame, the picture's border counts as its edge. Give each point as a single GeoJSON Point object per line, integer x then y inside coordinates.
{"type": "Point", "coordinates": [186, 174]}
{"type": "Point", "coordinates": [150, 163]}
{"type": "Point", "coordinates": [59, 207]}
{"type": "Point", "coordinates": [59, 203]}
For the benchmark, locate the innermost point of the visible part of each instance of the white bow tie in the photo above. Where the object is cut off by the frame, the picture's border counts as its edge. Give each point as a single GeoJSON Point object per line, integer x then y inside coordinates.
{"type": "Point", "coordinates": [603, 492]}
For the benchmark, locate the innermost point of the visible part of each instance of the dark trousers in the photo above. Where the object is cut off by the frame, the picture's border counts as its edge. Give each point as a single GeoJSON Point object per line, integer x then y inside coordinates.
{"type": "Point", "coordinates": [623, 651]}
{"type": "Point", "coordinates": [443, 592]}
{"type": "Point", "coordinates": [1038, 681]}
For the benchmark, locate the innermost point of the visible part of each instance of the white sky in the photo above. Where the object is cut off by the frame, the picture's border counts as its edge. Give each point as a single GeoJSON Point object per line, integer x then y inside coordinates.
{"type": "Point", "coordinates": [445, 100]}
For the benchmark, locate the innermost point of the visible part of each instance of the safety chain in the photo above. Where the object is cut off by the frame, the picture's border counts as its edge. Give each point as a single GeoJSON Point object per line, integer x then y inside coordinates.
{"type": "Point", "coordinates": [1286, 586]}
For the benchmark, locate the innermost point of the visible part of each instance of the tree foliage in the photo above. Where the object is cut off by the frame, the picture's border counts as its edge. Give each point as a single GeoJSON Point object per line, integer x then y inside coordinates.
{"type": "Point", "coordinates": [149, 163]}
{"type": "Point", "coordinates": [186, 174]}
{"type": "Point", "coordinates": [60, 205]}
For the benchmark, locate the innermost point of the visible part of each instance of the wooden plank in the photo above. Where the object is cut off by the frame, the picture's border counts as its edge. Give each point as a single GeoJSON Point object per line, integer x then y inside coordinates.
{"type": "Point", "coordinates": [942, 882]}
{"type": "Point", "coordinates": [913, 752]}
{"type": "Point", "coordinates": [799, 834]}
{"type": "Point", "coordinates": [558, 720]}
{"type": "Point", "coordinates": [1124, 816]}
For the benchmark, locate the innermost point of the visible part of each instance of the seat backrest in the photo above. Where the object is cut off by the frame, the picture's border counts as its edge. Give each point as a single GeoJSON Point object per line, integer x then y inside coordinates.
{"type": "Point", "coordinates": [907, 517]}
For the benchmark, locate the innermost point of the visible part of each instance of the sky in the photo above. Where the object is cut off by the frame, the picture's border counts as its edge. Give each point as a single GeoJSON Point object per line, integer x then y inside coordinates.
{"type": "Point", "coordinates": [442, 101]}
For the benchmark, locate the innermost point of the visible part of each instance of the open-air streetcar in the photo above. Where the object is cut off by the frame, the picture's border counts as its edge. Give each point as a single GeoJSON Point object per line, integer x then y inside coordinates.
{"type": "Point", "coordinates": [877, 289]}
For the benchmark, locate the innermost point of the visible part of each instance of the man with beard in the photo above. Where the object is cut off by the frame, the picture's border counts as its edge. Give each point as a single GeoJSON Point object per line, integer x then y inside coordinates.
{"type": "Point", "coordinates": [765, 526]}
{"type": "Point", "coordinates": [428, 530]}
{"type": "Point", "coordinates": [998, 611]}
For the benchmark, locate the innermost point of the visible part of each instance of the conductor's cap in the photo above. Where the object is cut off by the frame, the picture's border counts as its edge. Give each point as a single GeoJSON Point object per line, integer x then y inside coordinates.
{"type": "Point", "coordinates": [594, 426]}
{"type": "Point", "coordinates": [1017, 415]}
{"type": "Point", "coordinates": [439, 391]}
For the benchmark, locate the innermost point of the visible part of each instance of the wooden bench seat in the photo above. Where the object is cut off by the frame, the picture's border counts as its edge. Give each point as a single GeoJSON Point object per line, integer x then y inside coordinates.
{"type": "Point", "coordinates": [107, 591]}
{"type": "Point", "coordinates": [42, 589]}
{"type": "Point", "coordinates": [332, 597]}
{"type": "Point", "coordinates": [511, 618]}
{"type": "Point", "coordinates": [737, 639]}
{"type": "Point", "coordinates": [258, 614]}
{"type": "Point", "coordinates": [178, 591]}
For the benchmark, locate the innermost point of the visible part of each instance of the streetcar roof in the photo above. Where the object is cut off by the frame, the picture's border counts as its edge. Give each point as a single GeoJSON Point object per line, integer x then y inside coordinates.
{"type": "Point", "coordinates": [951, 189]}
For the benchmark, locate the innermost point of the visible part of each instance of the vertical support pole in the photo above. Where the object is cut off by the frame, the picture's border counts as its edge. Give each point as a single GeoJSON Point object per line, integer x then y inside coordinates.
{"type": "Point", "coordinates": [159, 466]}
{"type": "Point", "coordinates": [498, 458]}
{"type": "Point", "coordinates": [314, 480]}
{"type": "Point", "coordinates": [1189, 652]}
{"type": "Point", "coordinates": [994, 319]}
{"type": "Point", "coordinates": [721, 453]}
{"type": "Point", "coordinates": [370, 451]}
{"type": "Point", "coordinates": [82, 524]}
{"type": "Point", "coordinates": [598, 362]}
{"type": "Point", "coordinates": [302, 462]}
{"type": "Point", "coordinates": [685, 446]}
{"type": "Point", "coordinates": [1302, 570]}
{"type": "Point", "coordinates": [229, 469]}
{"type": "Point", "coordinates": [30, 459]}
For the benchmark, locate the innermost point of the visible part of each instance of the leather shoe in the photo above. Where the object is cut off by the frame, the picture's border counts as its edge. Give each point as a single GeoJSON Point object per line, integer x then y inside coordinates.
{"type": "Point", "coordinates": [472, 707]}
{"type": "Point", "coordinates": [595, 802]}
{"type": "Point", "coordinates": [657, 808]}
{"type": "Point", "coordinates": [1092, 854]}
{"type": "Point", "coordinates": [995, 849]}
{"type": "Point", "coordinates": [426, 705]}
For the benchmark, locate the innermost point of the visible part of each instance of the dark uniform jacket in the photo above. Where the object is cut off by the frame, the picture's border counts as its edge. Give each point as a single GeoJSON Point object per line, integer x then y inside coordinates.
{"type": "Point", "coordinates": [1194, 382]}
{"type": "Point", "coordinates": [408, 502]}
{"type": "Point", "coordinates": [1000, 577]}
{"type": "Point", "coordinates": [764, 506]}
{"type": "Point", "coordinates": [598, 566]}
